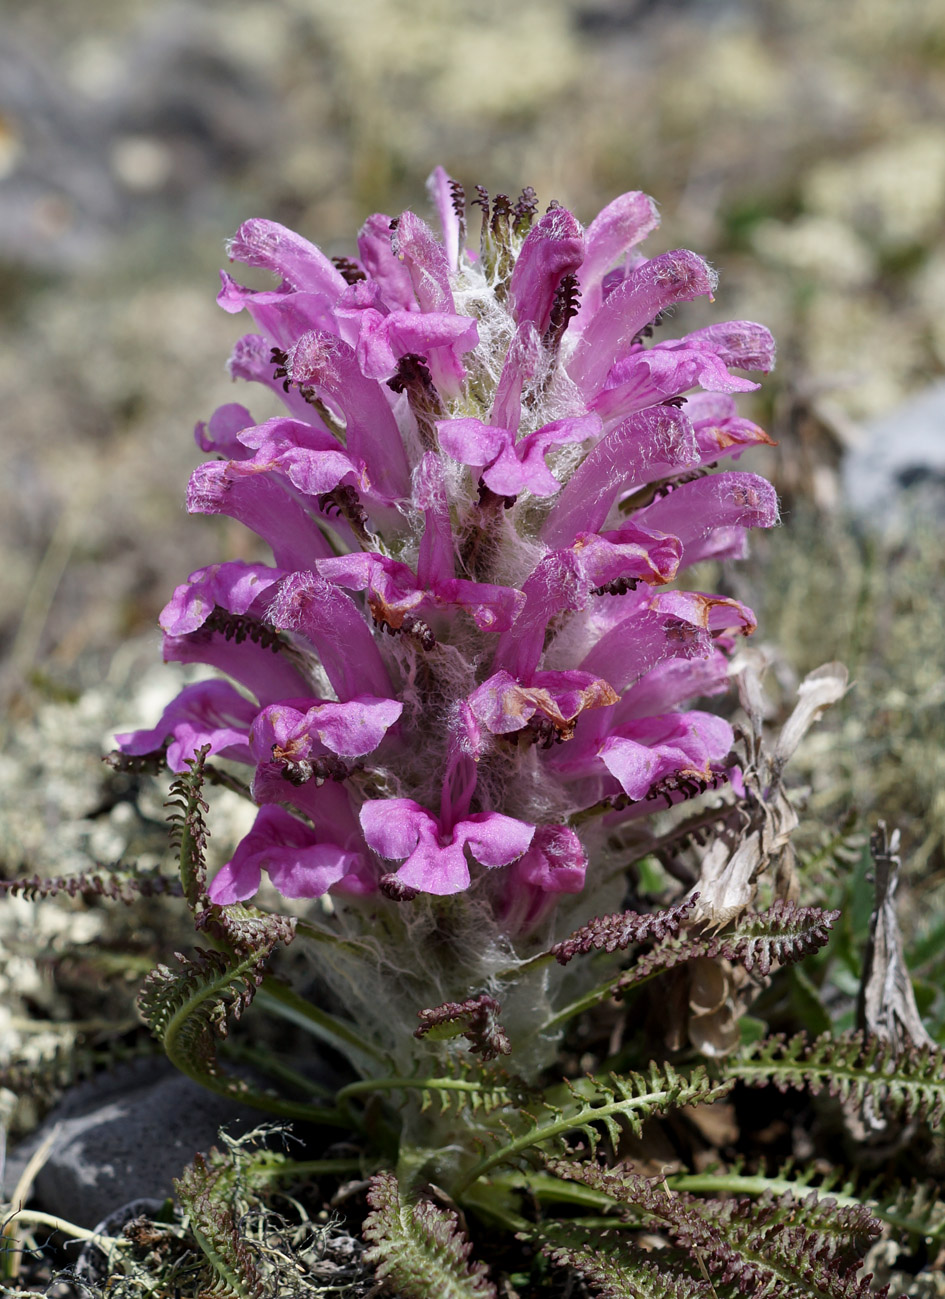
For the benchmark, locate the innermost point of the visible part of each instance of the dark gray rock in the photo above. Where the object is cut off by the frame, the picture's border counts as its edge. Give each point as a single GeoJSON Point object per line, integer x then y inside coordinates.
{"type": "Point", "coordinates": [124, 1136]}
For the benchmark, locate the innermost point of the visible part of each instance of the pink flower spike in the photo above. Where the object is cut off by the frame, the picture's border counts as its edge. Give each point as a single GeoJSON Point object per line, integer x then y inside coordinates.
{"type": "Point", "coordinates": [503, 705]}
{"type": "Point", "coordinates": [310, 458]}
{"type": "Point", "coordinates": [554, 863]}
{"type": "Point", "coordinates": [328, 364]}
{"type": "Point", "coordinates": [658, 374]}
{"type": "Point", "coordinates": [251, 360]}
{"type": "Point", "coordinates": [426, 261]}
{"type": "Point", "coordinates": [471, 442]}
{"type": "Point", "coordinates": [693, 510]}
{"type": "Point", "coordinates": [626, 555]}
{"type": "Point", "coordinates": [686, 745]}
{"type": "Point", "coordinates": [277, 313]}
{"type": "Point", "coordinates": [638, 642]}
{"type": "Point", "coordinates": [510, 467]}
{"type": "Point", "coordinates": [263, 505]}
{"type": "Point", "coordinates": [522, 363]}
{"type": "Point", "coordinates": [521, 467]}
{"type": "Point", "coordinates": [632, 454]}
{"type": "Point", "coordinates": [385, 268]}
{"type": "Point", "coordinates": [486, 659]}
{"type": "Point", "coordinates": [349, 730]}
{"type": "Point", "coordinates": [441, 338]}
{"type": "Point", "coordinates": [553, 248]}
{"type": "Point", "coordinates": [741, 343]}
{"type": "Point", "coordinates": [435, 558]}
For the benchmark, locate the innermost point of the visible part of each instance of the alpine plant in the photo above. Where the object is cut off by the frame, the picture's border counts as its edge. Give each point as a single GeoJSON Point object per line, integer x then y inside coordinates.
{"type": "Point", "coordinates": [470, 658]}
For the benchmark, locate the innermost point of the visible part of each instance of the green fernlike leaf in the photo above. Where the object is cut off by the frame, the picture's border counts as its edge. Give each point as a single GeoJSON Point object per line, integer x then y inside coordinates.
{"type": "Point", "coordinates": [418, 1248]}
{"type": "Point", "coordinates": [854, 1067]}
{"type": "Point", "coordinates": [189, 1009]}
{"type": "Point", "coordinates": [614, 1269]}
{"type": "Point", "coordinates": [206, 1193]}
{"type": "Point", "coordinates": [601, 1102]}
{"type": "Point", "coordinates": [772, 1248]}
{"type": "Point", "coordinates": [917, 1210]}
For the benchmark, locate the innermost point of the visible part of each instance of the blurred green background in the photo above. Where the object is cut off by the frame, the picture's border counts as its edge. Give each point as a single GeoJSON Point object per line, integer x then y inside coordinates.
{"type": "Point", "coordinates": [800, 146]}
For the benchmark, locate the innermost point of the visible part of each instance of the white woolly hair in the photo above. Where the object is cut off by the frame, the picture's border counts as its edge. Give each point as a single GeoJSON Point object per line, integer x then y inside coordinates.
{"type": "Point", "coordinates": [397, 959]}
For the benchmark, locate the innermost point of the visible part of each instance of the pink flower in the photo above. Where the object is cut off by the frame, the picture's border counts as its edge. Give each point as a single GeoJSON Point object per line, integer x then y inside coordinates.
{"type": "Point", "coordinates": [433, 855]}
{"type": "Point", "coordinates": [484, 482]}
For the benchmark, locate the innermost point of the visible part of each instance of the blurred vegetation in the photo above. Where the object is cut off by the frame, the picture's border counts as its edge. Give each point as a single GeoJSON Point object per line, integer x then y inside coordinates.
{"type": "Point", "coordinates": [798, 146]}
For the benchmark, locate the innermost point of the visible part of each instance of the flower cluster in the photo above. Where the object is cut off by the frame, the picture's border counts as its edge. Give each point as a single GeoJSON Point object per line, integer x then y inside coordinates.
{"type": "Point", "coordinates": [486, 477]}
